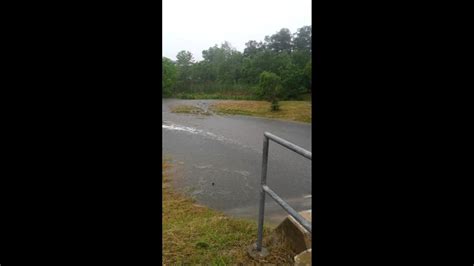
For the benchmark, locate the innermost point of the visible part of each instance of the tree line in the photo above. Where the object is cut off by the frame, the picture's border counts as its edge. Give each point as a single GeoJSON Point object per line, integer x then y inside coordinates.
{"type": "Point", "coordinates": [283, 57]}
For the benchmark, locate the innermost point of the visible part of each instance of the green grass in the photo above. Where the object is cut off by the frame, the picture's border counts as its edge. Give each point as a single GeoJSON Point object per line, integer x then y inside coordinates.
{"type": "Point", "coordinates": [194, 234]}
{"type": "Point", "coordinates": [289, 110]}
{"type": "Point", "coordinates": [299, 111]}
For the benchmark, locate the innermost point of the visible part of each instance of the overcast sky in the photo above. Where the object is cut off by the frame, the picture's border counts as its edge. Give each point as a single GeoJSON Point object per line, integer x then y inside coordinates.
{"type": "Point", "coordinates": [196, 25]}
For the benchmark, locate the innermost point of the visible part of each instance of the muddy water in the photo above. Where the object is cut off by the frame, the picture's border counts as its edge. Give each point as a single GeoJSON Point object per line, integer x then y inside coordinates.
{"type": "Point", "coordinates": [218, 160]}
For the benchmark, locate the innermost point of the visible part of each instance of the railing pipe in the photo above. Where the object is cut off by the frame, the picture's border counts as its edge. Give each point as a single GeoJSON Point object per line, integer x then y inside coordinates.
{"type": "Point", "coordinates": [289, 145]}
{"type": "Point", "coordinates": [263, 181]}
{"type": "Point", "coordinates": [265, 189]}
{"type": "Point", "coordinates": [288, 208]}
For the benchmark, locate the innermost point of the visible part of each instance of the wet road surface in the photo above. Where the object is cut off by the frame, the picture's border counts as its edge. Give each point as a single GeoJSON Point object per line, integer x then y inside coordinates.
{"type": "Point", "coordinates": [218, 159]}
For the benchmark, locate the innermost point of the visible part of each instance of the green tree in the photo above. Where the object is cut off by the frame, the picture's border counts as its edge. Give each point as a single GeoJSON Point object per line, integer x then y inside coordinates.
{"type": "Point", "coordinates": [224, 69]}
{"type": "Point", "coordinates": [262, 61]}
{"type": "Point", "coordinates": [184, 59]}
{"type": "Point", "coordinates": [252, 48]}
{"type": "Point", "coordinates": [270, 88]}
{"type": "Point", "coordinates": [293, 79]}
{"type": "Point", "coordinates": [281, 41]}
{"type": "Point", "coordinates": [300, 58]}
{"type": "Point", "coordinates": [302, 39]}
{"type": "Point", "coordinates": [223, 64]}
{"type": "Point", "coordinates": [184, 63]}
{"type": "Point", "coordinates": [308, 76]}
{"type": "Point", "coordinates": [168, 77]}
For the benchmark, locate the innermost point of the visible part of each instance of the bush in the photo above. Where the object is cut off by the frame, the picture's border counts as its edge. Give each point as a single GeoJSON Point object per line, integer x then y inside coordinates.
{"type": "Point", "coordinates": [269, 85]}
{"type": "Point", "coordinates": [270, 88]}
{"type": "Point", "coordinates": [257, 92]}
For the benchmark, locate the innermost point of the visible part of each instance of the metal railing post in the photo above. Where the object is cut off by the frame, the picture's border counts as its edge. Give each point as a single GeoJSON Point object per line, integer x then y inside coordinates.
{"type": "Point", "coordinates": [263, 181]}
{"type": "Point", "coordinates": [256, 250]}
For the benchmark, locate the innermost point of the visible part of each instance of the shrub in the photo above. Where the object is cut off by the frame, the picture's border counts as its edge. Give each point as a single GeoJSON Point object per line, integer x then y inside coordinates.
{"type": "Point", "coordinates": [270, 88]}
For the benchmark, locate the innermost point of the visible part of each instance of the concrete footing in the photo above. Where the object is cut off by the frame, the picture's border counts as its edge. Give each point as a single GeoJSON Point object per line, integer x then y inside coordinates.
{"type": "Point", "coordinates": [254, 253]}
{"type": "Point", "coordinates": [294, 234]}
{"type": "Point", "coordinates": [304, 258]}
{"type": "Point", "coordinates": [298, 238]}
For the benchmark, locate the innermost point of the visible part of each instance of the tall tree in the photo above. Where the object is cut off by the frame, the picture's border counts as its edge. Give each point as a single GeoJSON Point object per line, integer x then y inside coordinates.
{"type": "Point", "coordinates": [302, 39]}
{"type": "Point", "coordinates": [224, 63]}
{"type": "Point", "coordinates": [184, 59]}
{"type": "Point", "coordinates": [281, 41]}
{"type": "Point", "coordinates": [292, 81]}
{"type": "Point", "coordinates": [252, 48]}
{"type": "Point", "coordinates": [223, 68]}
{"type": "Point", "coordinates": [168, 77]}
{"type": "Point", "coordinates": [183, 63]}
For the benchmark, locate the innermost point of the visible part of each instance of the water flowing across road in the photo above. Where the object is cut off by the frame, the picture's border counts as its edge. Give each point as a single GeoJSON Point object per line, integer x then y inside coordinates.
{"type": "Point", "coordinates": [218, 159]}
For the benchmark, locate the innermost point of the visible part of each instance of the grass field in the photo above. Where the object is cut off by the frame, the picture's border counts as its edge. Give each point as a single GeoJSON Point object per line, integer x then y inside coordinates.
{"type": "Point", "coordinates": [289, 110]}
{"type": "Point", "coordinates": [194, 234]}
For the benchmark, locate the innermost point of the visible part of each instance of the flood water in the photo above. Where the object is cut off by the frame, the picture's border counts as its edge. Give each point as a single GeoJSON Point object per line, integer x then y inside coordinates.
{"type": "Point", "coordinates": [218, 159]}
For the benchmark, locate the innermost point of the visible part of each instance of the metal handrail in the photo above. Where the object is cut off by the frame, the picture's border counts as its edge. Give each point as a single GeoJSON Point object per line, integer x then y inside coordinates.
{"type": "Point", "coordinates": [264, 189]}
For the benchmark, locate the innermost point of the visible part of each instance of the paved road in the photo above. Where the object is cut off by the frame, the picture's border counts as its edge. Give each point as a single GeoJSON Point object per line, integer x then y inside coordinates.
{"type": "Point", "coordinates": [218, 160]}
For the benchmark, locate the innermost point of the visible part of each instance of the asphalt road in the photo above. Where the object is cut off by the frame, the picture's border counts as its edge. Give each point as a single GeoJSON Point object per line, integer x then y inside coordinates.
{"type": "Point", "coordinates": [218, 160]}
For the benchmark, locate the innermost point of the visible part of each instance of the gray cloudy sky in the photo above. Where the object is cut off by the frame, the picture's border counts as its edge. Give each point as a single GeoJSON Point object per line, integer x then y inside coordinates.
{"type": "Point", "coordinates": [196, 25]}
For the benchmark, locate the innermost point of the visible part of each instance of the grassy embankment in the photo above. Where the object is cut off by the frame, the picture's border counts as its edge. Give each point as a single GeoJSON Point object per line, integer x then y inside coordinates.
{"type": "Point", "coordinates": [289, 110]}
{"type": "Point", "coordinates": [194, 234]}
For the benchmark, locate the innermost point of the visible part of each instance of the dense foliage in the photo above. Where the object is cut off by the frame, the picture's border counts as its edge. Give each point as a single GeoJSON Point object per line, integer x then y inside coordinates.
{"type": "Point", "coordinates": [282, 56]}
{"type": "Point", "coordinates": [168, 76]}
